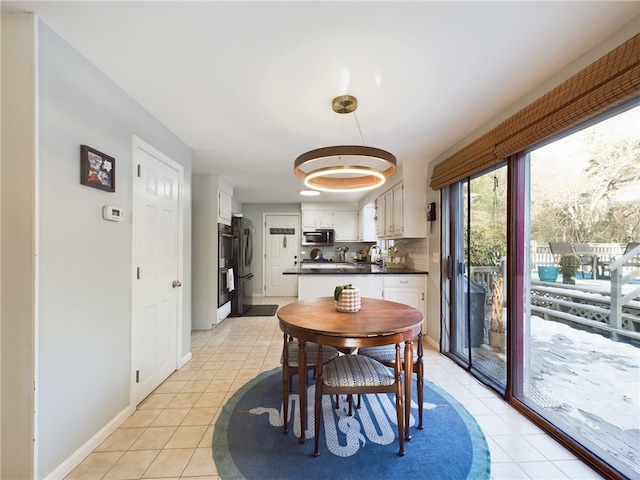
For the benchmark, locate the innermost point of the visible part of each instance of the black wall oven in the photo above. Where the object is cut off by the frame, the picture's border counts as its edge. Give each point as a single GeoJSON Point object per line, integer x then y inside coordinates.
{"type": "Point", "coordinates": [225, 246]}
{"type": "Point", "coordinates": [226, 279]}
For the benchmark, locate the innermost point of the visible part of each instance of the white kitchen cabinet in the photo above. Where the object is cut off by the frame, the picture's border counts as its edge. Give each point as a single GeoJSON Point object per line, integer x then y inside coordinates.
{"type": "Point", "coordinates": [379, 218]}
{"type": "Point", "coordinates": [313, 286]}
{"type": "Point", "coordinates": [367, 224]}
{"type": "Point", "coordinates": [389, 219]}
{"type": "Point", "coordinates": [317, 219]}
{"type": "Point", "coordinates": [345, 224]}
{"type": "Point", "coordinates": [404, 206]}
{"type": "Point", "coordinates": [224, 207]}
{"type": "Point", "coordinates": [397, 229]}
{"type": "Point", "coordinates": [407, 289]}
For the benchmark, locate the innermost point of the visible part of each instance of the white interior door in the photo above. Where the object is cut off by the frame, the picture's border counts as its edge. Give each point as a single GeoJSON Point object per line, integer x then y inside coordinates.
{"type": "Point", "coordinates": [157, 268]}
{"type": "Point", "coordinates": [282, 251]}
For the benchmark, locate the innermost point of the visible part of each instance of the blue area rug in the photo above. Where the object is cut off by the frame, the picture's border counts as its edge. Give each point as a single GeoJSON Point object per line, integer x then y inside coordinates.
{"type": "Point", "coordinates": [248, 441]}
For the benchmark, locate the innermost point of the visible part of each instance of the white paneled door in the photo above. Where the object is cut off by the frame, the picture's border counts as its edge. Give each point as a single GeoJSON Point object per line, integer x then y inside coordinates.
{"type": "Point", "coordinates": [282, 251]}
{"type": "Point", "coordinates": [157, 268]}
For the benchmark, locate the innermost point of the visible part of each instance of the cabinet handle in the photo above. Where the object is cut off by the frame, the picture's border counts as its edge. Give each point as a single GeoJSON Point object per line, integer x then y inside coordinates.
{"type": "Point", "coordinates": [404, 281]}
{"type": "Point", "coordinates": [422, 296]}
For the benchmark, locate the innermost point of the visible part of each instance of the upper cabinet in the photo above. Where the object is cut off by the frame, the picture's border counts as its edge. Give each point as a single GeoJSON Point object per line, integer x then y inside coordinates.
{"type": "Point", "coordinates": [317, 219]}
{"type": "Point", "coordinates": [366, 228]}
{"type": "Point", "coordinates": [401, 211]}
{"type": "Point", "coordinates": [389, 219]}
{"type": "Point", "coordinates": [345, 224]}
{"type": "Point", "coordinates": [342, 217]}
{"type": "Point", "coordinates": [224, 207]}
{"type": "Point", "coordinates": [379, 217]}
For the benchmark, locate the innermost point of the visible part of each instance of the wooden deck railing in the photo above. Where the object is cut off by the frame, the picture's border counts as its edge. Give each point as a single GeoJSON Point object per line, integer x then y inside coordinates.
{"type": "Point", "coordinates": [616, 312]}
{"type": "Point", "coordinates": [618, 279]}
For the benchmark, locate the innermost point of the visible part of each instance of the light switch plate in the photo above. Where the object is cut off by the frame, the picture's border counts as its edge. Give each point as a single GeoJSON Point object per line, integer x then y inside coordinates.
{"type": "Point", "coordinates": [435, 257]}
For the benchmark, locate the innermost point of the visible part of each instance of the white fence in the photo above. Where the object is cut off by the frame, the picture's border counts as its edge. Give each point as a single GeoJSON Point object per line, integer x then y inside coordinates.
{"type": "Point", "coordinates": [540, 254]}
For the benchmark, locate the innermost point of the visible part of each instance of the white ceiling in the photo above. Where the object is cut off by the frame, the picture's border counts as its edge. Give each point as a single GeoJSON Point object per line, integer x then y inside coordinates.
{"type": "Point", "coordinates": [248, 85]}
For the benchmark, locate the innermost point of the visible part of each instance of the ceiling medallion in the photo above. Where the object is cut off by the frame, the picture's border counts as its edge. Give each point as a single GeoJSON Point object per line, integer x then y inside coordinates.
{"type": "Point", "coordinates": [345, 168]}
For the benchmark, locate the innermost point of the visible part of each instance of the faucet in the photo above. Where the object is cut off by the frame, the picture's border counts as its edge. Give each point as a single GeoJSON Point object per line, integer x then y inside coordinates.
{"type": "Point", "coordinates": [375, 254]}
{"type": "Point", "coordinates": [341, 253]}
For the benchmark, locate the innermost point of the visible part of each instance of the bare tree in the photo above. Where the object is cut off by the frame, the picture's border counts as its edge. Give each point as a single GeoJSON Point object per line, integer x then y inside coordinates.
{"type": "Point", "coordinates": [587, 188]}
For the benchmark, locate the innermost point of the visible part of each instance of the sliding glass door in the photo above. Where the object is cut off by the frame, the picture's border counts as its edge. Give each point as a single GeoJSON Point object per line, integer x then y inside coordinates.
{"type": "Point", "coordinates": [544, 249]}
{"type": "Point", "coordinates": [478, 261]}
{"type": "Point", "coordinates": [581, 368]}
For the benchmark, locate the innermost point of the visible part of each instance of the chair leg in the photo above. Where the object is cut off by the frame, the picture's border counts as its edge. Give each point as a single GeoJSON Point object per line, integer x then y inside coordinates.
{"type": "Point", "coordinates": [285, 398]}
{"type": "Point", "coordinates": [400, 393]}
{"type": "Point", "coordinates": [286, 387]}
{"type": "Point", "coordinates": [420, 400]}
{"type": "Point", "coordinates": [419, 369]}
{"type": "Point", "coordinates": [317, 414]}
{"type": "Point", "coordinates": [400, 417]}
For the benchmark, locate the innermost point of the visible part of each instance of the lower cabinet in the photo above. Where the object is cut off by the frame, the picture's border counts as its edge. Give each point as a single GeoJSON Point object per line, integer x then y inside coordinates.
{"type": "Point", "coordinates": [408, 289]}
{"type": "Point", "coordinates": [312, 286]}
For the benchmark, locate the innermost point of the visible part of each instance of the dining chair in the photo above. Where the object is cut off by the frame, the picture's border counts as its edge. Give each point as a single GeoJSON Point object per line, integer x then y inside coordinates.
{"type": "Point", "coordinates": [356, 375]}
{"type": "Point", "coordinates": [289, 361]}
{"type": "Point", "coordinates": [560, 248]}
{"type": "Point", "coordinates": [587, 256]}
{"type": "Point", "coordinates": [386, 355]}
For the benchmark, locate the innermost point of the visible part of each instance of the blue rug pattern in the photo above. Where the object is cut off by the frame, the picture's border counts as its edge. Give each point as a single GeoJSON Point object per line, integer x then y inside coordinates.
{"type": "Point", "coordinates": [248, 442]}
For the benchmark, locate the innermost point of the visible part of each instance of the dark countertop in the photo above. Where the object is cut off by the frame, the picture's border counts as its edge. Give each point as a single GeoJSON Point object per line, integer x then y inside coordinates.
{"type": "Point", "coordinates": [365, 269]}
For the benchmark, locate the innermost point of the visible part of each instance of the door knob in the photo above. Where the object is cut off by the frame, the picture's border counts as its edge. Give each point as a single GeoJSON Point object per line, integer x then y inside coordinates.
{"type": "Point", "coordinates": [176, 284]}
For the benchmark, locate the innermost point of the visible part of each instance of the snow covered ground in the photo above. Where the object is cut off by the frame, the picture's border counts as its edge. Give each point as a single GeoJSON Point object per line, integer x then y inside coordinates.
{"type": "Point", "coordinates": [590, 383]}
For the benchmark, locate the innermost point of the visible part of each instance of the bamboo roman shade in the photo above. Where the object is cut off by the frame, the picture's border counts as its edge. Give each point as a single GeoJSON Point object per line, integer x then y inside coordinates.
{"type": "Point", "coordinates": [608, 82]}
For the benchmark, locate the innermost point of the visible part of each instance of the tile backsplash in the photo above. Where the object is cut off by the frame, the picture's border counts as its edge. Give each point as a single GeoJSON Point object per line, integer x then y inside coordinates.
{"type": "Point", "coordinates": [416, 251]}
{"type": "Point", "coordinates": [331, 253]}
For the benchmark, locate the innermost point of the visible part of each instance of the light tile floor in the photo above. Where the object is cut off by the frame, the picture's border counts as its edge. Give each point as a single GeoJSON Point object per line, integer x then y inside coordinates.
{"type": "Point", "coordinates": [169, 436]}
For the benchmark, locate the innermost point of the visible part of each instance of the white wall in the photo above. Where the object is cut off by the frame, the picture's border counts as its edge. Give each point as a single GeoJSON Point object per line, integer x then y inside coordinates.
{"type": "Point", "coordinates": [84, 263]}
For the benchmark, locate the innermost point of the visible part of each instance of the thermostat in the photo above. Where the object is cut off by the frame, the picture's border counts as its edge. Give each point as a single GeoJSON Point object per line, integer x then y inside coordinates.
{"type": "Point", "coordinates": [115, 214]}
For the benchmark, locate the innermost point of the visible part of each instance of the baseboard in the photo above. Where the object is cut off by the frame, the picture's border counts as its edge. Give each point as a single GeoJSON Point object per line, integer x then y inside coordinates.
{"type": "Point", "coordinates": [183, 361]}
{"type": "Point", "coordinates": [431, 342]}
{"type": "Point", "coordinates": [83, 452]}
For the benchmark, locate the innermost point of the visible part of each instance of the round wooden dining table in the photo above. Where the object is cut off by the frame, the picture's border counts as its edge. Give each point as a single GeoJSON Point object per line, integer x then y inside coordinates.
{"type": "Point", "coordinates": [378, 322]}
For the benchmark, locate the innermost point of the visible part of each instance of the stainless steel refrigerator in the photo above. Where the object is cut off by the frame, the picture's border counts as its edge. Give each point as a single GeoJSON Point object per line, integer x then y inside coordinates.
{"type": "Point", "coordinates": [243, 233]}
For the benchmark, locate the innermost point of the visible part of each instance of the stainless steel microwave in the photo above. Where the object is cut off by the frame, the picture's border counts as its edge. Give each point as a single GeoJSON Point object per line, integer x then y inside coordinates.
{"type": "Point", "coordinates": [321, 236]}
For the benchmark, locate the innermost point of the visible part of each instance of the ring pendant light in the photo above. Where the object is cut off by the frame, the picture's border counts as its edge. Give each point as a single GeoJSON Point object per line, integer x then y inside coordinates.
{"type": "Point", "coordinates": [345, 168]}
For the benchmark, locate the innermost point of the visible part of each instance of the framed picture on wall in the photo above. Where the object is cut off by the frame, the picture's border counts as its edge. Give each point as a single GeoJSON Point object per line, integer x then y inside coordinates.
{"type": "Point", "coordinates": [97, 170]}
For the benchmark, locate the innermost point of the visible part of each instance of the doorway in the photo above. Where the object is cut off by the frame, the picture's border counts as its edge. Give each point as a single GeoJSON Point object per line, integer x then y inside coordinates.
{"type": "Point", "coordinates": [282, 251]}
{"type": "Point", "coordinates": [157, 264]}
{"type": "Point", "coordinates": [477, 251]}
